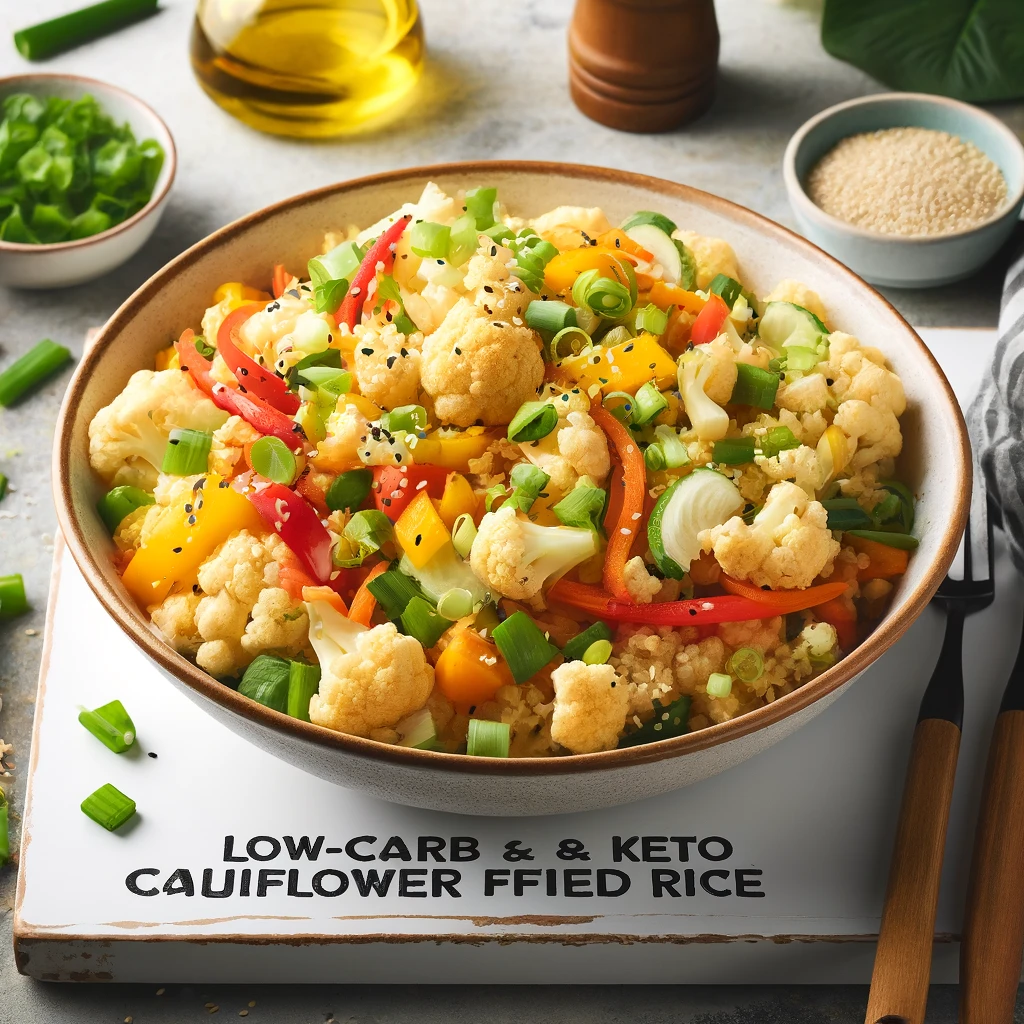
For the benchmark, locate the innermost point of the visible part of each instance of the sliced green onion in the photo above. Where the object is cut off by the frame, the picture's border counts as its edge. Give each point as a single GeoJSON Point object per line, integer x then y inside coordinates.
{"type": "Point", "coordinates": [463, 534]}
{"type": "Point", "coordinates": [455, 604]}
{"type": "Point", "coordinates": [675, 451]}
{"type": "Point", "coordinates": [499, 233]}
{"type": "Point", "coordinates": [582, 507]}
{"type": "Point", "coordinates": [617, 336]}
{"type": "Point", "coordinates": [327, 378]}
{"type": "Point", "coordinates": [903, 492]}
{"type": "Point", "coordinates": [527, 481]}
{"type": "Point", "coordinates": [3, 486]}
{"type": "Point", "coordinates": [665, 724]}
{"type": "Point", "coordinates": [430, 240]}
{"type": "Point", "coordinates": [888, 508]}
{"type": "Point", "coordinates": [5, 839]}
{"type": "Point", "coordinates": [418, 731]}
{"type": "Point", "coordinates": [846, 514]}
{"type": "Point", "coordinates": [272, 458]}
{"type": "Point", "coordinates": [582, 642]}
{"type": "Point", "coordinates": [488, 739]}
{"type": "Point", "coordinates": [31, 369]}
{"type": "Point", "coordinates": [364, 535]}
{"type": "Point", "coordinates": [598, 653]}
{"type": "Point", "coordinates": [550, 315]}
{"type": "Point", "coordinates": [393, 591]}
{"type": "Point", "coordinates": [188, 452]}
{"type": "Point", "coordinates": [654, 458]}
{"type": "Point", "coordinates": [108, 807]}
{"type": "Point", "coordinates": [778, 439]}
{"type": "Point", "coordinates": [620, 404]}
{"type": "Point", "coordinates": [411, 418]}
{"type": "Point", "coordinates": [340, 262]}
{"type": "Point", "coordinates": [203, 347]}
{"type": "Point", "coordinates": [523, 646]}
{"type": "Point", "coordinates": [650, 402]}
{"type": "Point", "coordinates": [604, 295]}
{"type": "Point", "coordinates": [266, 681]}
{"type": "Point", "coordinates": [754, 386]}
{"type": "Point", "coordinates": [12, 596]}
{"type": "Point", "coordinates": [328, 357]}
{"type": "Point", "coordinates": [729, 288]}
{"type": "Point", "coordinates": [493, 494]}
{"type": "Point", "coordinates": [651, 319]}
{"type": "Point", "coordinates": [421, 621]}
{"type": "Point", "coordinates": [747, 664]}
{"type": "Point", "coordinates": [659, 220]}
{"type": "Point", "coordinates": [120, 502]}
{"type": "Point", "coordinates": [69, 30]}
{"type": "Point", "coordinates": [894, 540]}
{"type": "Point", "coordinates": [733, 451]}
{"type": "Point", "coordinates": [303, 680]}
{"type": "Point", "coordinates": [533, 421]}
{"type": "Point", "coordinates": [719, 685]}
{"type": "Point", "coordinates": [480, 206]}
{"type": "Point", "coordinates": [576, 339]}
{"type": "Point", "coordinates": [463, 241]}
{"type": "Point", "coordinates": [349, 490]}
{"type": "Point", "coordinates": [111, 725]}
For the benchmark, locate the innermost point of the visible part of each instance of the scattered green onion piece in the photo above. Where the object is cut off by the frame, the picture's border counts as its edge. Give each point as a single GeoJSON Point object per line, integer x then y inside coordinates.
{"type": "Point", "coordinates": [582, 642]}
{"type": "Point", "coordinates": [327, 378]}
{"type": "Point", "coordinates": [903, 492]}
{"type": "Point", "coordinates": [550, 315]}
{"type": "Point", "coordinates": [675, 451]}
{"type": "Point", "coordinates": [523, 646]}
{"type": "Point", "coordinates": [328, 357]}
{"type": "Point", "coordinates": [623, 406]}
{"type": "Point", "coordinates": [340, 262]}
{"type": "Point", "coordinates": [120, 502]}
{"type": "Point", "coordinates": [31, 369]}
{"type": "Point", "coordinates": [271, 458]}
{"type": "Point", "coordinates": [651, 319]}
{"type": "Point", "coordinates": [364, 535]}
{"type": "Point", "coordinates": [583, 507]}
{"type": "Point", "coordinates": [463, 241]}
{"type": "Point", "coordinates": [650, 402]}
{"type": "Point", "coordinates": [729, 288]}
{"type": "Point", "coordinates": [801, 359]}
{"type": "Point", "coordinates": [5, 839]}
{"type": "Point", "coordinates": [418, 731]}
{"type": "Point", "coordinates": [654, 458]}
{"type": "Point", "coordinates": [3, 486]}
{"type": "Point", "coordinates": [455, 604]}
{"type": "Point", "coordinates": [488, 739]}
{"type": "Point", "coordinates": [577, 340]}
{"type": "Point", "coordinates": [617, 336]}
{"type": "Point", "coordinates": [778, 439]}
{"type": "Point", "coordinates": [887, 509]}
{"type": "Point", "coordinates": [111, 725]}
{"type": "Point", "coordinates": [598, 653]}
{"type": "Point", "coordinates": [203, 347]}
{"type": "Point", "coordinates": [69, 30]}
{"type": "Point", "coordinates": [604, 295]}
{"type": "Point", "coordinates": [410, 418]}
{"type": "Point", "coordinates": [12, 596]}
{"type": "Point", "coordinates": [393, 591]}
{"type": "Point", "coordinates": [421, 621]}
{"type": "Point", "coordinates": [493, 494]}
{"type": "Point", "coordinates": [527, 481]}
{"type": "Point", "coordinates": [533, 421]}
{"type": "Point", "coordinates": [719, 685]}
{"type": "Point", "coordinates": [349, 490]}
{"type": "Point", "coordinates": [754, 386]}
{"type": "Point", "coordinates": [430, 240]}
{"type": "Point", "coordinates": [463, 534]}
{"type": "Point", "coordinates": [894, 540]}
{"type": "Point", "coordinates": [665, 724]}
{"type": "Point", "coordinates": [733, 451]}
{"type": "Point", "coordinates": [303, 680]}
{"type": "Point", "coordinates": [480, 205]}
{"type": "Point", "coordinates": [747, 664]}
{"type": "Point", "coordinates": [188, 452]}
{"type": "Point", "coordinates": [499, 233]}
{"type": "Point", "coordinates": [846, 514]}
{"type": "Point", "coordinates": [266, 681]}
{"type": "Point", "coordinates": [109, 807]}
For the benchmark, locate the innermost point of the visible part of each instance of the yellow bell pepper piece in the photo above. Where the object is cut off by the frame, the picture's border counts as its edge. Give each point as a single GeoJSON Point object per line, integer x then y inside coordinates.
{"type": "Point", "coordinates": [458, 498]}
{"type": "Point", "coordinates": [166, 359]}
{"type": "Point", "coordinates": [664, 295]}
{"type": "Point", "coordinates": [420, 530]}
{"type": "Point", "coordinates": [623, 367]}
{"type": "Point", "coordinates": [364, 405]}
{"type": "Point", "coordinates": [238, 294]}
{"type": "Point", "coordinates": [561, 273]}
{"type": "Point", "coordinates": [185, 537]}
{"type": "Point", "coordinates": [454, 450]}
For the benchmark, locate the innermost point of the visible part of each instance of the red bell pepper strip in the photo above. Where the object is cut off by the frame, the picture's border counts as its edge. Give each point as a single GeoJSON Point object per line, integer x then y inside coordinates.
{"type": "Point", "coordinates": [782, 602]}
{"type": "Point", "coordinates": [252, 378]}
{"type": "Point", "coordinates": [280, 280]}
{"type": "Point", "coordinates": [395, 486]}
{"type": "Point", "coordinates": [264, 418]}
{"type": "Point", "coordinates": [382, 251]}
{"type": "Point", "coordinates": [710, 319]}
{"type": "Point", "coordinates": [630, 519]}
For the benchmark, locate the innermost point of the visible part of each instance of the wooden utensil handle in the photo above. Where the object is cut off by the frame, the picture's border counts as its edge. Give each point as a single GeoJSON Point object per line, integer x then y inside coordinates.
{"type": "Point", "coordinates": [993, 933]}
{"type": "Point", "coordinates": [899, 982]}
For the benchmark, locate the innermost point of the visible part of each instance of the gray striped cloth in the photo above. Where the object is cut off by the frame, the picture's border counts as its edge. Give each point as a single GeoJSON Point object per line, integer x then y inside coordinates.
{"type": "Point", "coordinates": [996, 416]}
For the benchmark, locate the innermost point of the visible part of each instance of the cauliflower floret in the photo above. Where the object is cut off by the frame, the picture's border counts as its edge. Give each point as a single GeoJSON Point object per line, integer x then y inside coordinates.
{"type": "Point", "coordinates": [370, 678]}
{"type": "Point", "coordinates": [569, 227]}
{"type": "Point", "coordinates": [873, 428]}
{"type": "Point", "coordinates": [800, 295]}
{"type": "Point", "coordinates": [127, 438]}
{"type": "Point", "coordinates": [346, 427]}
{"type": "Point", "coordinates": [387, 365]}
{"type": "Point", "coordinates": [820, 639]}
{"type": "Point", "coordinates": [807, 427]}
{"type": "Point", "coordinates": [480, 369]}
{"type": "Point", "coordinates": [278, 624]}
{"type": "Point", "coordinates": [721, 379]}
{"type": "Point", "coordinates": [578, 447]}
{"type": "Point", "coordinates": [215, 316]}
{"type": "Point", "coordinates": [708, 419]}
{"type": "Point", "coordinates": [786, 546]}
{"type": "Point", "coordinates": [175, 617]}
{"type": "Point", "coordinates": [128, 535]}
{"type": "Point", "coordinates": [713, 255]}
{"type": "Point", "coordinates": [590, 707]}
{"type": "Point", "coordinates": [859, 371]}
{"type": "Point", "coordinates": [642, 586]}
{"type": "Point", "coordinates": [285, 331]}
{"type": "Point", "coordinates": [228, 445]}
{"type": "Point", "coordinates": [497, 291]}
{"type": "Point", "coordinates": [797, 464]}
{"type": "Point", "coordinates": [516, 557]}
{"type": "Point", "coordinates": [806, 394]}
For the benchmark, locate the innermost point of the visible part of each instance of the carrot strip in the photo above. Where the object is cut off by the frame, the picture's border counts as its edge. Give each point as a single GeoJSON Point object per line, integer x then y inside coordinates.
{"type": "Point", "coordinates": [364, 602]}
{"type": "Point", "coordinates": [332, 597]}
{"type": "Point", "coordinates": [781, 602]}
{"type": "Point", "coordinates": [581, 595]}
{"type": "Point", "coordinates": [279, 280]}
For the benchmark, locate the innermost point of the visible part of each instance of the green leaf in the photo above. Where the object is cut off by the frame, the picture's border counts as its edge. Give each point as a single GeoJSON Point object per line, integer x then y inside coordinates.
{"type": "Point", "coordinates": [970, 49]}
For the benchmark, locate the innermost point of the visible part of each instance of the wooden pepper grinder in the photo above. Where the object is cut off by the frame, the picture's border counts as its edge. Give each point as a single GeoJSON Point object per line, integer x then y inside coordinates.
{"type": "Point", "coordinates": [643, 65]}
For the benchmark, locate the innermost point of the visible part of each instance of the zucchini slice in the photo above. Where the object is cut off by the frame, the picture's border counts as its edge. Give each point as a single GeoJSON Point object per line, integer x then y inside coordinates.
{"type": "Point", "coordinates": [677, 263]}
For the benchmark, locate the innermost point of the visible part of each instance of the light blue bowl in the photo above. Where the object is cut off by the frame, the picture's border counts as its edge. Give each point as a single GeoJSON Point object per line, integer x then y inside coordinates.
{"type": "Point", "coordinates": [905, 261]}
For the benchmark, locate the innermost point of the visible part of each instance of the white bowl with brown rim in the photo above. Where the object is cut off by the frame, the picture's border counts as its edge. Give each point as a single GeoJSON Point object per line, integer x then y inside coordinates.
{"type": "Point", "coordinates": [62, 264]}
{"type": "Point", "coordinates": [935, 463]}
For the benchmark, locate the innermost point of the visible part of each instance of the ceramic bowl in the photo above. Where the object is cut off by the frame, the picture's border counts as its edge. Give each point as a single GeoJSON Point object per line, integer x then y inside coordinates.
{"type": "Point", "coordinates": [905, 261]}
{"type": "Point", "coordinates": [62, 264]}
{"type": "Point", "coordinates": [935, 463]}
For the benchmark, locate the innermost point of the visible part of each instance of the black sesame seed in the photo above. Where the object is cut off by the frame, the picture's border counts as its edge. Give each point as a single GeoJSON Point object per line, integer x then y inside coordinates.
{"type": "Point", "coordinates": [174, 440]}
{"type": "Point", "coordinates": [242, 388]}
{"type": "Point", "coordinates": [177, 551]}
{"type": "Point", "coordinates": [458, 351]}
{"type": "Point", "coordinates": [152, 754]}
{"type": "Point", "coordinates": [188, 507]}
{"type": "Point", "coordinates": [488, 289]}
{"type": "Point", "coordinates": [385, 501]}
{"type": "Point", "coordinates": [391, 360]}
{"type": "Point", "coordinates": [398, 456]}
{"type": "Point", "coordinates": [418, 540]}
{"type": "Point", "coordinates": [191, 520]}
{"type": "Point", "coordinates": [224, 483]}
{"type": "Point", "coordinates": [367, 351]}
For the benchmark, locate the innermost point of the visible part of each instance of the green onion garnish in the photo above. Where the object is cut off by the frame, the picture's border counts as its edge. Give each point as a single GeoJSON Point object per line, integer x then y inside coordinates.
{"type": "Point", "coordinates": [463, 241]}
{"type": "Point", "coordinates": [598, 653]}
{"type": "Point", "coordinates": [463, 534]}
{"type": "Point", "coordinates": [480, 205]}
{"type": "Point", "coordinates": [430, 240]}
{"type": "Point", "coordinates": [620, 405]}
{"type": "Point", "coordinates": [648, 403]}
{"type": "Point", "coordinates": [3, 486]}
{"type": "Point", "coordinates": [32, 368]}
{"type": "Point", "coordinates": [893, 540]}
{"type": "Point", "coordinates": [364, 534]}
{"type": "Point", "coordinates": [349, 490]}
{"type": "Point", "coordinates": [12, 596]}
{"type": "Point", "coordinates": [5, 839]}
{"type": "Point", "coordinates": [582, 507]}
{"type": "Point", "coordinates": [456, 603]}
{"type": "Point", "coordinates": [582, 642]}
{"type": "Point", "coordinates": [120, 502]}
{"type": "Point", "coordinates": [341, 262]}
{"type": "Point", "coordinates": [493, 495]}
{"type": "Point", "coordinates": [733, 451]}
{"type": "Point", "coordinates": [754, 386]}
{"type": "Point", "coordinates": [331, 379]}
{"type": "Point", "coordinates": [499, 233]}
{"type": "Point", "coordinates": [801, 358]}
{"type": "Point", "coordinates": [719, 685]}
{"type": "Point", "coordinates": [729, 288]}
{"type": "Point", "coordinates": [575, 338]}
{"type": "Point", "coordinates": [888, 508]}
{"type": "Point", "coordinates": [654, 458]}
{"type": "Point", "coordinates": [846, 514]}
{"type": "Point", "coordinates": [303, 680]}
{"type": "Point", "coordinates": [111, 725]}
{"type": "Point", "coordinates": [266, 681]}
{"type": "Point", "coordinates": [527, 482]}
{"type": "Point", "coordinates": [488, 739]}
{"type": "Point", "coordinates": [523, 646]}
{"type": "Point", "coordinates": [421, 621]}
{"type": "Point", "coordinates": [778, 439]}
{"type": "Point", "coordinates": [651, 319]}
{"type": "Point", "coordinates": [188, 452]}
{"type": "Point", "coordinates": [747, 664]}
{"type": "Point", "coordinates": [393, 591]}
{"type": "Point", "coordinates": [410, 418]}
{"type": "Point", "coordinates": [329, 357]}
{"type": "Point", "coordinates": [69, 30]}
{"type": "Point", "coordinates": [906, 516]}
{"type": "Point", "coordinates": [108, 807]}
{"type": "Point", "coordinates": [272, 459]}
{"type": "Point", "coordinates": [665, 724]}
{"type": "Point", "coordinates": [604, 295]}
{"type": "Point", "coordinates": [674, 450]}
{"type": "Point", "coordinates": [550, 315]}
{"type": "Point", "coordinates": [533, 421]}
{"type": "Point", "coordinates": [418, 731]}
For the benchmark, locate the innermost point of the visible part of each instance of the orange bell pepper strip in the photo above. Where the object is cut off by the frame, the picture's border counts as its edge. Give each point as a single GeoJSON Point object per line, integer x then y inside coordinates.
{"type": "Point", "coordinates": [782, 602]}
{"type": "Point", "coordinates": [279, 281]}
{"type": "Point", "coordinates": [325, 594]}
{"type": "Point", "coordinates": [364, 602]}
{"type": "Point", "coordinates": [665, 295]}
{"type": "Point", "coordinates": [886, 562]}
{"type": "Point", "coordinates": [621, 242]}
{"type": "Point", "coordinates": [841, 613]}
{"type": "Point", "coordinates": [630, 521]}
{"type": "Point", "coordinates": [470, 671]}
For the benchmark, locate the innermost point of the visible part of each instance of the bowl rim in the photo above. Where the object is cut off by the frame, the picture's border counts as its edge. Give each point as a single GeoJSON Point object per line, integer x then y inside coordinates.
{"type": "Point", "coordinates": [155, 200]}
{"type": "Point", "coordinates": [133, 623]}
{"type": "Point", "coordinates": [806, 206]}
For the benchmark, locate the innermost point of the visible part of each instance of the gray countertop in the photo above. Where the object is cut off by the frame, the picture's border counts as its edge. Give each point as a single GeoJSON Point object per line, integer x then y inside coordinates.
{"type": "Point", "coordinates": [494, 87]}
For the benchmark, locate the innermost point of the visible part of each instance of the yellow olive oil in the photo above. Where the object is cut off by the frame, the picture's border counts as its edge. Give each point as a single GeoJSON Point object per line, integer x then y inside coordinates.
{"type": "Point", "coordinates": [307, 68]}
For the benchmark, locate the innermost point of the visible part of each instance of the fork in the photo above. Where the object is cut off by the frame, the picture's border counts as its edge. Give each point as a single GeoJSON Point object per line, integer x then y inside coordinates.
{"type": "Point", "coordinates": [899, 982]}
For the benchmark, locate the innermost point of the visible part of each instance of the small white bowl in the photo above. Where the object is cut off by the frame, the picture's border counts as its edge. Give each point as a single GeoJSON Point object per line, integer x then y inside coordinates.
{"type": "Point", "coordinates": [905, 261]}
{"type": "Point", "coordinates": [61, 264]}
